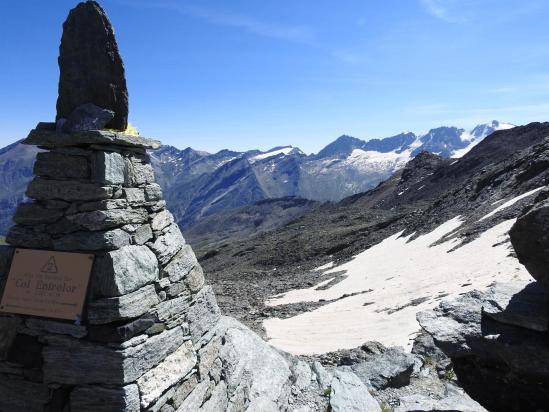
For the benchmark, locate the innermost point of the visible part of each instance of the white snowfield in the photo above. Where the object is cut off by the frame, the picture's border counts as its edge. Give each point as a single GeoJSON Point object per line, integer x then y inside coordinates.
{"type": "Point", "coordinates": [511, 202]}
{"type": "Point", "coordinates": [398, 278]}
{"type": "Point", "coordinates": [284, 151]}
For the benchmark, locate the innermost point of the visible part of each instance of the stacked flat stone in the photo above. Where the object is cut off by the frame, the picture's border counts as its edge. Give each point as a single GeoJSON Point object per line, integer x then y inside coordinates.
{"type": "Point", "coordinates": [148, 316]}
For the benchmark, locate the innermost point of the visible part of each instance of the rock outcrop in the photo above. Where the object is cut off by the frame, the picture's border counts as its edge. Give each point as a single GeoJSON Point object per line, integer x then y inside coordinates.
{"type": "Point", "coordinates": [530, 238]}
{"type": "Point", "coordinates": [497, 341]}
{"type": "Point", "coordinates": [93, 73]}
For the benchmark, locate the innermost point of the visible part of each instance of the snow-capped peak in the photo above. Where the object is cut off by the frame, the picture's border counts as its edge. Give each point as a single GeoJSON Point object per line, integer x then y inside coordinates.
{"type": "Point", "coordinates": [478, 134]}
{"type": "Point", "coordinates": [277, 151]}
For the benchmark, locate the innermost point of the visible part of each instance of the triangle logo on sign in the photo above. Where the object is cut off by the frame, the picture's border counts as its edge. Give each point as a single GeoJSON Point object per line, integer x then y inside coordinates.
{"type": "Point", "coordinates": [50, 266]}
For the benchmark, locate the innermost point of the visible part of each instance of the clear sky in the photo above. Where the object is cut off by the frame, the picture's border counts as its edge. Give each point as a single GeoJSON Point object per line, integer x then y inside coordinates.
{"type": "Point", "coordinates": [245, 74]}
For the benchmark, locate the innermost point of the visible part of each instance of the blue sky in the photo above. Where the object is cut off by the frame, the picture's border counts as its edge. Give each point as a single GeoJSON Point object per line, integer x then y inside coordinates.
{"type": "Point", "coordinates": [246, 74]}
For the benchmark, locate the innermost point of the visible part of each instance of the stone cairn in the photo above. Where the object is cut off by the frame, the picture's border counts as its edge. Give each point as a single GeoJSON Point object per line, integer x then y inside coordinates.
{"type": "Point", "coordinates": [148, 315]}
{"type": "Point", "coordinates": [147, 307]}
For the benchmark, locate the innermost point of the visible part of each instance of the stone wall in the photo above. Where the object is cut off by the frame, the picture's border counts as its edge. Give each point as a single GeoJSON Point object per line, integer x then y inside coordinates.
{"type": "Point", "coordinates": [148, 313]}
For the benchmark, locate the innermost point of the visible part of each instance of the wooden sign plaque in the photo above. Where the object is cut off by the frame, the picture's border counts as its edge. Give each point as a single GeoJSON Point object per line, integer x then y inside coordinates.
{"type": "Point", "coordinates": [47, 284]}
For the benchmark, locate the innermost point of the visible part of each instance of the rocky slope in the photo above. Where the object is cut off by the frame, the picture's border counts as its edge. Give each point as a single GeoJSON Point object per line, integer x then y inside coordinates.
{"type": "Point", "coordinates": [247, 221]}
{"type": "Point", "coordinates": [199, 184]}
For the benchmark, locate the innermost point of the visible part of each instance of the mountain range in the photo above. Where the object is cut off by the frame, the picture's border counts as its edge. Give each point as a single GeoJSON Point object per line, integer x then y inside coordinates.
{"type": "Point", "coordinates": [198, 184]}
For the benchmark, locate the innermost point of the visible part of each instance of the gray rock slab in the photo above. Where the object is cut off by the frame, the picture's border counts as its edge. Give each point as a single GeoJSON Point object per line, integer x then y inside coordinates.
{"type": "Point", "coordinates": [118, 308]}
{"type": "Point", "coordinates": [161, 220]}
{"type": "Point", "coordinates": [181, 264]}
{"type": "Point", "coordinates": [44, 189]}
{"type": "Point", "coordinates": [391, 368]}
{"type": "Point", "coordinates": [253, 370]}
{"type": "Point", "coordinates": [93, 241]}
{"type": "Point", "coordinates": [108, 219]}
{"type": "Point", "coordinates": [108, 168]}
{"type": "Point", "coordinates": [59, 327]}
{"type": "Point", "coordinates": [6, 254]}
{"type": "Point", "coordinates": [349, 394]}
{"type": "Point", "coordinates": [167, 245]}
{"type": "Point", "coordinates": [138, 173]}
{"type": "Point", "coordinates": [90, 67]}
{"type": "Point", "coordinates": [100, 399]}
{"type": "Point", "coordinates": [85, 117]}
{"type": "Point", "coordinates": [171, 308]}
{"type": "Point", "coordinates": [526, 308]}
{"type": "Point", "coordinates": [120, 333]}
{"type": "Point", "coordinates": [153, 192]}
{"type": "Point", "coordinates": [142, 234]}
{"type": "Point", "coordinates": [21, 395]}
{"type": "Point", "coordinates": [134, 195]}
{"type": "Point", "coordinates": [207, 355]}
{"type": "Point", "coordinates": [86, 363]}
{"type": "Point", "coordinates": [35, 214]}
{"type": "Point", "coordinates": [8, 331]}
{"type": "Point", "coordinates": [58, 165]}
{"type": "Point", "coordinates": [124, 270]}
{"type": "Point", "coordinates": [203, 314]}
{"type": "Point", "coordinates": [184, 389]}
{"type": "Point", "coordinates": [27, 237]}
{"type": "Point", "coordinates": [195, 399]}
{"type": "Point", "coordinates": [52, 139]}
{"type": "Point", "coordinates": [166, 374]}
{"type": "Point", "coordinates": [101, 205]}
{"type": "Point", "coordinates": [455, 399]}
{"type": "Point", "coordinates": [218, 400]}
{"type": "Point", "coordinates": [195, 279]}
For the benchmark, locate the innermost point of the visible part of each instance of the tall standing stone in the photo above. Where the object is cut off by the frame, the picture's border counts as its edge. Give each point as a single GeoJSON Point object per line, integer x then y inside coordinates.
{"type": "Point", "coordinates": [91, 69]}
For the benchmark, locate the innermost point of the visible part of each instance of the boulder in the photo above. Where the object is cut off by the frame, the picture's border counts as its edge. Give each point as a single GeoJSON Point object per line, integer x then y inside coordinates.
{"type": "Point", "coordinates": [94, 73]}
{"type": "Point", "coordinates": [85, 117]}
{"type": "Point", "coordinates": [349, 394]}
{"type": "Point", "coordinates": [455, 399]}
{"type": "Point", "coordinates": [530, 238]}
{"type": "Point", "coordinates": [124, 270]}
{"type": "Point", "coordinates": [493, 348]}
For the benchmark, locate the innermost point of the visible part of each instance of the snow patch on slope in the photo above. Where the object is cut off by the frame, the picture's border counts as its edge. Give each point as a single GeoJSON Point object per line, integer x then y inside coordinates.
{"type": "Point", "coordinates": [398, 278]}
{"type": "Point", "coordinates": [510, 203]}
{"type": "Point", "coordinates": [478, 134]}
{"type": "Point", "coordinates": [367, 160]}
{"type": "Point", "coordinates": [284, 151]}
